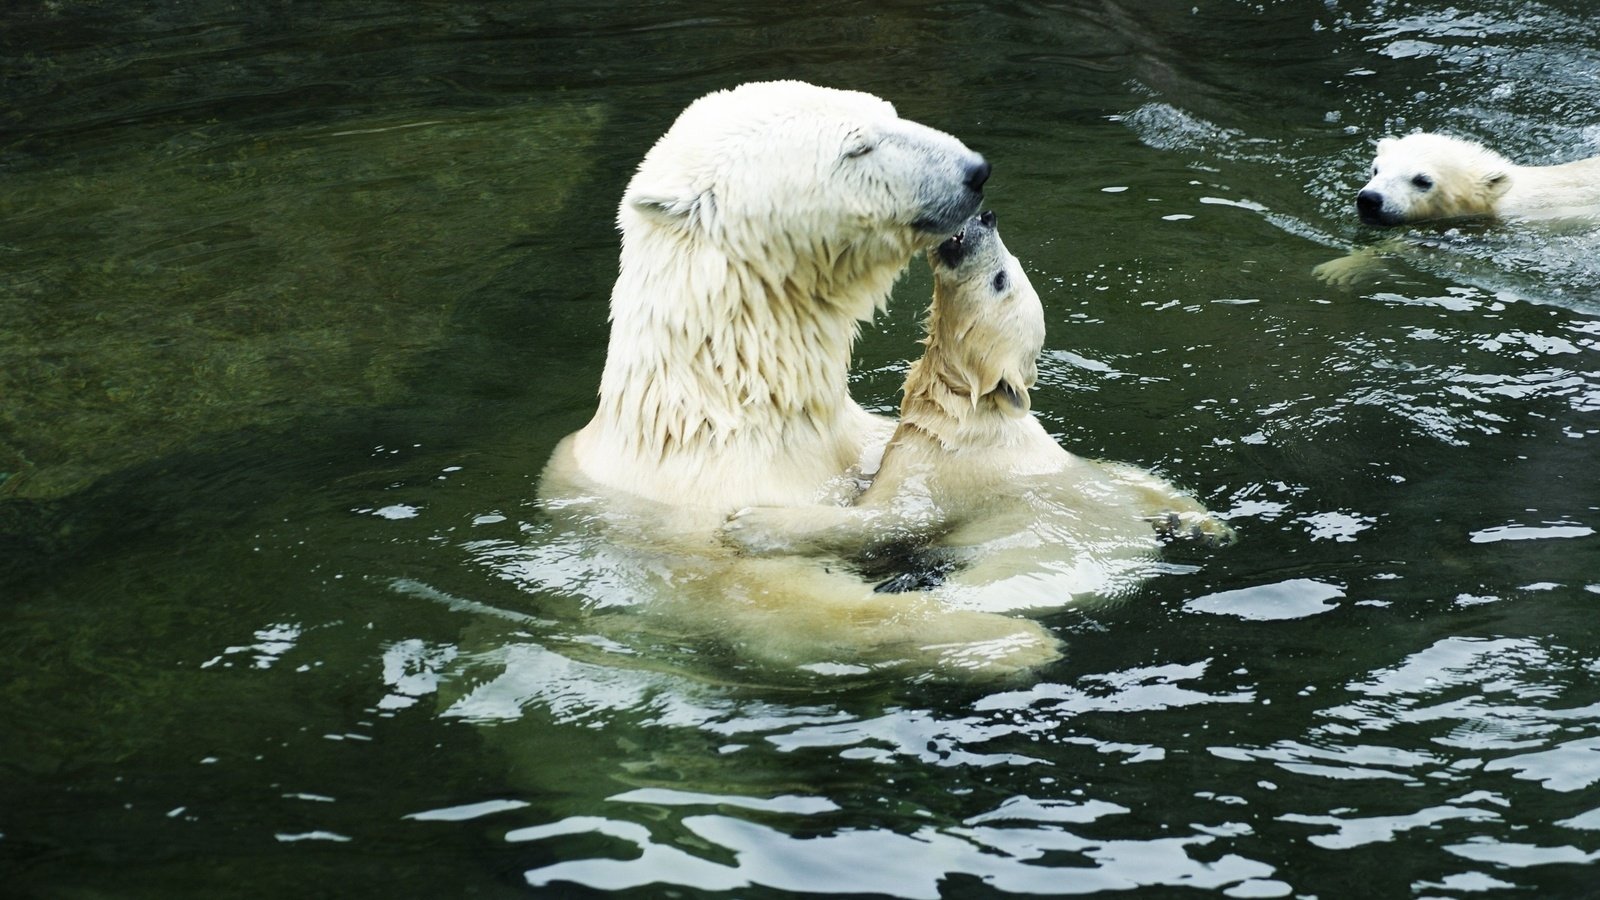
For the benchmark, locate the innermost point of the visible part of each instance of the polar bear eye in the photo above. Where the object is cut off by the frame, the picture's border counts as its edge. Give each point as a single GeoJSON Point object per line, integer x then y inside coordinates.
{"type": "Point", "coordinates": [1422, 182]}
{"type": "Point", "coordinates": [999, 283]}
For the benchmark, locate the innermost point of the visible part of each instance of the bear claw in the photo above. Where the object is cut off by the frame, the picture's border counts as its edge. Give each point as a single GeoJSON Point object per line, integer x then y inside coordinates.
{"type": "Point", "coordinates": [1202, 528]}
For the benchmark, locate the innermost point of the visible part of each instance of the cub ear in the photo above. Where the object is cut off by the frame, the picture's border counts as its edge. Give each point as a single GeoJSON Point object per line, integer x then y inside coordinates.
{"type": "Point", "coordinates": [1385, 145]}
{"type": "Point", "coordinates": [1009, 387]}
{"type": "Point", "coordinates": [1011, 398]}
{"type": "Point", "coordinates": [1497, 182]}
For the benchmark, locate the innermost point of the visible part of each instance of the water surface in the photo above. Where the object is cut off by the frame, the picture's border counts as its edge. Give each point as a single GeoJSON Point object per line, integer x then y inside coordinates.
{"type": "Point", "coordinates": [299, 300]}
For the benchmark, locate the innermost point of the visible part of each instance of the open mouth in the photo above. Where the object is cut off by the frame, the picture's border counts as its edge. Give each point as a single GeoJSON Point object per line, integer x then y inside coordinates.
{"type": "Point", "coordinates": [953, 250]}
{"type": "Point", "coordinates": [958, 245]}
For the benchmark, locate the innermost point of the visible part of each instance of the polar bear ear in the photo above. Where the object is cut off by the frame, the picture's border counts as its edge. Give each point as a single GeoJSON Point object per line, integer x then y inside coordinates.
{"type": "Point", "coordinates": [1497, 182]}
{"type": "Point", "coordinates": [1011, 398]}
{"type": "Point", "coordinates": [680, 208]}
{"type": "Point", "coordinates": [1385, 145]}
{"type": "Point", "coordinates": [1009, 388]}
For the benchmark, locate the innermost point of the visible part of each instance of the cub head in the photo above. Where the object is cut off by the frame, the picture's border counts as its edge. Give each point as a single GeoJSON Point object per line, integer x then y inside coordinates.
{"type": "Point", "coordinates": [784, 176]}
{"type": "Point", "coordinates": [986, 327]}
{"type": "Point", "coordinates": [1423, 177]}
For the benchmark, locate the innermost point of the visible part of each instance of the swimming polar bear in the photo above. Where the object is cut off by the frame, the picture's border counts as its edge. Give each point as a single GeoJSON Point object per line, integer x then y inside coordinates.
{"type": "Point", "coordinates": [971, 475]}
{"type": "Point", "coordinates": [1427, 177]}
{"type": "Point", "coordinates": [758, 233]}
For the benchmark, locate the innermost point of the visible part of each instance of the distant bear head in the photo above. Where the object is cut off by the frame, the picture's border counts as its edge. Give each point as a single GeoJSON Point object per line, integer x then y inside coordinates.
{"type": "Point", "coordinates": [1423, 177]}
{"type": "Point", "coordinates": [793, 173]}
{"type": "Point", "coordinates": [986, 327]}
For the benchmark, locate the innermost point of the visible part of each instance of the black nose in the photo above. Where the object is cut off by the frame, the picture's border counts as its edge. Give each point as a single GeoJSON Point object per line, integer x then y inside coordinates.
{"type": "Point", "coordinates": [977, 174]}
{"type": "Point", "coordinates": [1368, 203]}
{"type": "Point", "coordinates": [986, 218]}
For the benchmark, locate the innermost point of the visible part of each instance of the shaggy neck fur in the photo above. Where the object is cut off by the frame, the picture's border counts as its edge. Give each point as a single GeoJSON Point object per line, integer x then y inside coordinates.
{"type": "Point", "coordinates": [944, 397]}
{"type": "Point", "coordinates": [709, 350]}
{"type": "Point", "coordinates": [942, 408]}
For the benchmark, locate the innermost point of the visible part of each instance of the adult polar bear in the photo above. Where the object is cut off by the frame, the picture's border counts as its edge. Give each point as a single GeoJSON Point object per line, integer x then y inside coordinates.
{"type": "Point", "coordinates": [758, 233]}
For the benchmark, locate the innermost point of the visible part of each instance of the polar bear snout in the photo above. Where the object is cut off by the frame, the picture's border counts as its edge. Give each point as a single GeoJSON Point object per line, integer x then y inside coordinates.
{"type": "Point", "coordinates": [1369, 206]}
{"type": "Point", "coordinates": [952, 194]}
{"type": "Point", "coordinates": [1374, 208]}
{"type": "Point", "coordinates": [977, 175]}
{"type": "Point", "coordinates": [960, 246]}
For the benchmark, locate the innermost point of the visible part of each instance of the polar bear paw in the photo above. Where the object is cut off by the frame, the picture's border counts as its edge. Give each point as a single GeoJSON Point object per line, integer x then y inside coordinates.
{"type": "Point", "coordinates": [1347, 271]}
{"type": "Point", "coordinates": [757, 531]}
{"type": "Point", "coordinates": [1200, 527]}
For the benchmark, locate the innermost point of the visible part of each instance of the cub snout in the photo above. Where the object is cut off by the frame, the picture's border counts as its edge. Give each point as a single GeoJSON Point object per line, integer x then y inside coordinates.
{"type": "Point", "coordinates": [1370, 207]}
{"type": "Point", "coordinates": [1369, 204]}
{"type": "Point", "coordinates": [960, 247]}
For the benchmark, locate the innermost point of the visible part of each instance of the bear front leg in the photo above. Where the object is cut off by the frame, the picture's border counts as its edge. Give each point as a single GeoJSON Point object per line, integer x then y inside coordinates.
{"type": "Point", "coordinates": [1174, 514]}
{"type": "Point", "coordinates": [789, 530]}
{"type": "Point", "coordinates": [843, 530]}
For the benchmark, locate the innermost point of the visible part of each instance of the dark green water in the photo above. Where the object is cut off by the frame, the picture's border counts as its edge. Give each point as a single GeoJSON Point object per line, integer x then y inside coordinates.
{"type": "Point", "coordinates": [297, 299]}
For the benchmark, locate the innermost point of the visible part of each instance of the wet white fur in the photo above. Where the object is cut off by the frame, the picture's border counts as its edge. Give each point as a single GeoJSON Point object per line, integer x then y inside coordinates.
{"type": "Point", "coordinates": [1470, 180]}
{"type": "Point", "coordinates": [757, 234]}
{"type": "Point", "coordinates": [972, 472]}
{"type": "Point", "coordinates": [1467, 180]}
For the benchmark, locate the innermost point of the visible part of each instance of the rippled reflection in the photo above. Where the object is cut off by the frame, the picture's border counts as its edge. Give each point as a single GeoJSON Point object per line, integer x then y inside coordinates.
{"type": "Point", "coordinates": [295, 308]}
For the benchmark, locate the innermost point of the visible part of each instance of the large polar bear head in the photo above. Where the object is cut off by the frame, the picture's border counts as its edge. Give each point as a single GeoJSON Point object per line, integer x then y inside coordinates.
{"type": "Point", "coordinates": [827, 190]}
{"type": "Point", "coordinates": [1425, 176]}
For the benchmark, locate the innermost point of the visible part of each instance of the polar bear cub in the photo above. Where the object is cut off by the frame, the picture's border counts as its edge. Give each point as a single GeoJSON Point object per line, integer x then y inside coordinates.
{"type": "Point", "coordinates": [973, 477]}
{"type": "Point", "coordinates": [1423, 177]}
{"type": "Point", "coordinates": [1427, 177]}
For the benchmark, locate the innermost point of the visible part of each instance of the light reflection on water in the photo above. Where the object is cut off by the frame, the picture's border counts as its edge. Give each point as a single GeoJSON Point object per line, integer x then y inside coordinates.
{"type": "Point", "coordinates": [351, 649]}
{"type": "Point", "coordinates": [1004, 846]}
{"type": "Point", "coordinates": [1445, 690]}
{"type": "Point", "coordinates": [904, 865]}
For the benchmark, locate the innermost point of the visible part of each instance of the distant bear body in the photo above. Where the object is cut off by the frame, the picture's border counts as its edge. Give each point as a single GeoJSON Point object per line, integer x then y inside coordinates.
{"type": "Point", "coordinates": [757, 234]}
{"type": "Point", "coordinates": [1425, 177]}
